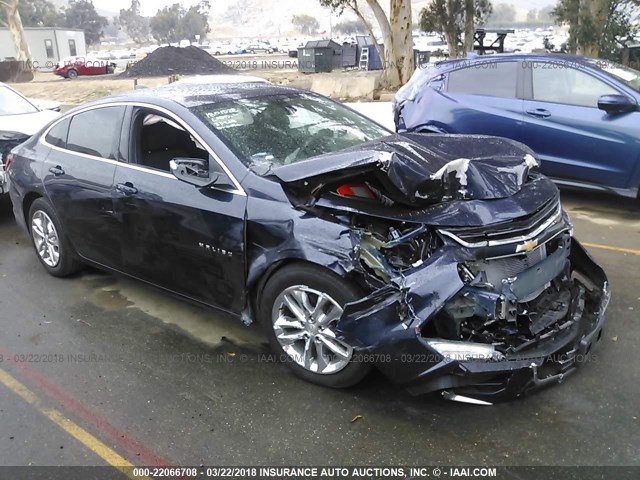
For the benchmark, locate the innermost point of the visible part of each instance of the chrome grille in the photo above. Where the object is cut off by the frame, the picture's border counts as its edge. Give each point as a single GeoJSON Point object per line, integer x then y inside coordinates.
{"type": "Point", "coordinates": [517, 230]}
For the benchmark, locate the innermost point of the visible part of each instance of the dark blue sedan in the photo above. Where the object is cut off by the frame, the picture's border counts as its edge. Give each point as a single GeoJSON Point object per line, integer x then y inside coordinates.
{"type": "Point", "coordinates": [579, 115]}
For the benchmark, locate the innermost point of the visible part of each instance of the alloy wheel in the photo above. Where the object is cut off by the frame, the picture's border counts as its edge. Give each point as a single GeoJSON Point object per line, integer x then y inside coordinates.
{"type": "Point", "coordinates": [45, 238]}
{"type": "Point", "coordinates": [304, 322]}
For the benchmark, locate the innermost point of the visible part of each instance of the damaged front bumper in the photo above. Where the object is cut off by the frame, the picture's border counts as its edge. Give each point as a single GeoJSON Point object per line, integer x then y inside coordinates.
{"type": "Point", "coordinates": [444, 328]}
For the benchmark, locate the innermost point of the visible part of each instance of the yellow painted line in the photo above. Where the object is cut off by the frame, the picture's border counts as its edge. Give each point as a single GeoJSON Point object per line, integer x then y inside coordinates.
{"type": "Point", "coordinates": [77, 432]}
{"type": "Point", "coordinates": [611, 248]}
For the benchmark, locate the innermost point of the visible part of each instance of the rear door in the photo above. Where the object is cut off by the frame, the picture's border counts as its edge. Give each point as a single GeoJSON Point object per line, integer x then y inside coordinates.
{"type": "Point", "coordinates": [175, 235]}
{"type": "Point", "coordinates": [484, 99]}
{"type": "Point", "coordinates": [573, 138]}
{"type": "Point", "coordinates": [79, 172]}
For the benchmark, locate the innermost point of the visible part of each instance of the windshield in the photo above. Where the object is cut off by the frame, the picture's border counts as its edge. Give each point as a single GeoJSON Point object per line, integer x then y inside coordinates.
{"type": "Point", "coordinates": [282, 129]}
{"type": "Point", "coordinates": [626, 75]}
{"type": "Point", "coordinates": [12, 103]}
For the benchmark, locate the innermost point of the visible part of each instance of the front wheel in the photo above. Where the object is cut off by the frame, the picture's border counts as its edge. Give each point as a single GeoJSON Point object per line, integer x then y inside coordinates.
{"type": "Point", "coordinates": [300, 308]}
{"type": "Point", "coordinates": [72, 74]}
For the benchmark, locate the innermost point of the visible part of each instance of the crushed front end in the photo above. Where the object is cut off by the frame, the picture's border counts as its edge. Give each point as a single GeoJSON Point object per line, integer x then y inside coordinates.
{"type": "Point", "coordinates": [476, 285]}
{"type": "Point", "coordinates": [493, 312]}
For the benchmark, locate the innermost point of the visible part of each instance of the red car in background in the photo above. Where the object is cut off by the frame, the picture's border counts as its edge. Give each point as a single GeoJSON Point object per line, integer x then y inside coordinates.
{"type": "Point", "coordinates": [72, 67]}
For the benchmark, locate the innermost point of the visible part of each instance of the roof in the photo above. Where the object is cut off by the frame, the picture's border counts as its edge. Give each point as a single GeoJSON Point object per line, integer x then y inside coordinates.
{"type": "Point", "coordinates": [321, 44]}
{"type": "Point", "coordinates": [194, 94]}
{"type": "Point", "coordinates": [364, 40]}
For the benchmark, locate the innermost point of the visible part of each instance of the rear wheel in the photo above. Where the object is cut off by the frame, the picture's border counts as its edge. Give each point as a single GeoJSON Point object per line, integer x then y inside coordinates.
{"type": "Point", "coordinates": [49, 240]}
{"type": "Point", "coordinates": [300, 308]}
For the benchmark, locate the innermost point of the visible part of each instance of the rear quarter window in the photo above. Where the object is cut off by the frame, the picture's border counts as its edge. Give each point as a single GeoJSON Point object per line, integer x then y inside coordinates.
{"type": "Point", "coordinates": [57, 136]}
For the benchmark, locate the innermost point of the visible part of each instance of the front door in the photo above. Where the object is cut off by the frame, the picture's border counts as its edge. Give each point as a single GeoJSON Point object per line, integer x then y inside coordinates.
{"type": "Point", "coordinates": [187, 239]}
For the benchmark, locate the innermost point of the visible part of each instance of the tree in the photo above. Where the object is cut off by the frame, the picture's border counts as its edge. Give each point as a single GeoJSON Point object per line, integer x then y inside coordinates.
{"type": "Point", "coordinates": [14, 22]}
{"type": "Point", "coordinates": [165, 25]}
{"type": "Point", "coordinates": [36, 13]}
{"type": "Point", "coordinates": [545, 14]}
{"type": "Point", "coordinates": [306, 24]}
{"type": "Point", "coordinates": [136, 26]}
{"type": "Point", "coordinates": [502, 15]}
{"type": "Point", "coordinates": [396, 35]}
{"type": "Point", "coordinates": [82, 14]}
{"type": "Point", "coordinates": [532, 16]}
{"type": "Point", "coordinates": [452, 18]}
{"type": "Point", "coordinates": [350, 27]}
{"type": "Point", "coordinates": [174, 23]}
{"type": "Point", "coordinates": [196, 21]}
{"type": "Point", "coordinates": [597, 27]}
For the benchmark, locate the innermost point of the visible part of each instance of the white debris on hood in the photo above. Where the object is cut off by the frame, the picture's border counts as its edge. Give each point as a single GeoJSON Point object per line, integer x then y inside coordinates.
{"type": "Point", "coordinates": [459, 167]}
{"type": "Point", "coordinates": [530, 161]}
{"type": "Point", "coordinates": [385, 160]}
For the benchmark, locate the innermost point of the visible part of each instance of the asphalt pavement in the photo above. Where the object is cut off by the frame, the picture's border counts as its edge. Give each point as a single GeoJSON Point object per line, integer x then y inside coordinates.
{"type": "Point", "coordinates": [97, 367]}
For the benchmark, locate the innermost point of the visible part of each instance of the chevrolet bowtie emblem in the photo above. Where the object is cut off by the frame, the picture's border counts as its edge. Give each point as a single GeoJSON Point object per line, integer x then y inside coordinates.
{"type": "Point", "coordinates": [527, 246]}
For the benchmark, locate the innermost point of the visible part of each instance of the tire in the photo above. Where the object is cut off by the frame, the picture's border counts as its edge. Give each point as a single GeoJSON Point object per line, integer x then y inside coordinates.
{"type": "Point", "coordinates": [321, 365]}
{"type": "Point", "coordinates": [57, 257]}
{"type": "Point", "coordinates": [72, 74]}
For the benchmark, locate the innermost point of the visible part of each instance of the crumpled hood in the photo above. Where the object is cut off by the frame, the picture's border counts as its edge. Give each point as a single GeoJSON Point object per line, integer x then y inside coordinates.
{"type": "Point", "coordinates": [423, 168]}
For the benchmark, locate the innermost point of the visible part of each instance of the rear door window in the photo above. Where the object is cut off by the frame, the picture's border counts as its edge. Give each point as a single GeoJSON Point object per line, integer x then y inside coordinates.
{"type": "Point", "coordinates": [96, 132]}
{"type": "Point", "coordinates": [490, 78]}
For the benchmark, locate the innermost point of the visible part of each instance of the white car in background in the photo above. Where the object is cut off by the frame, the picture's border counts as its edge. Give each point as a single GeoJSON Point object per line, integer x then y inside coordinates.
{"type": "Point", "coordinates": [20, 118]}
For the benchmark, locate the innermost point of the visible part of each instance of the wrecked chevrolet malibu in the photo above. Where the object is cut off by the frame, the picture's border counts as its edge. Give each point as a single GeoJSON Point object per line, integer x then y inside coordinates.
{"type": "Point", "coordinates": [445, 261]}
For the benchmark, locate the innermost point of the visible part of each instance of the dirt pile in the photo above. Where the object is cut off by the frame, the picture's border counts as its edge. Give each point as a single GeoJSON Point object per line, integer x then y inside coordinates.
{"type": "Point", "coordinates": [177, 61]}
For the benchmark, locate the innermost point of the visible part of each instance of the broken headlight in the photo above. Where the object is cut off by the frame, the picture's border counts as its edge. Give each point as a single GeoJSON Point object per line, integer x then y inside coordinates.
{"type": "Point", "coordinates": [391, 250]}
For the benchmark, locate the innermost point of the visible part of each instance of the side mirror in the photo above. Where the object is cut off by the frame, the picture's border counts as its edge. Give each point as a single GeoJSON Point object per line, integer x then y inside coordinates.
{"type": "Point", "coordinates": [616, 104]}
{"type": "Point", "coordinates": [195, 171]}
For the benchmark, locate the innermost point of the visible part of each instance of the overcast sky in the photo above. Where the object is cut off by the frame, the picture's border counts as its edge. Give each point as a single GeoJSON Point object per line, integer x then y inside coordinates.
{"type": "Point", "coordinates": [148, 7]}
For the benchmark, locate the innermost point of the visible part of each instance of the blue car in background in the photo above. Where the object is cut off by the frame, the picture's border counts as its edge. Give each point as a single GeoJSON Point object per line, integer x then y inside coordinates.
{"type": "Point", "coordinates": [580, 115]}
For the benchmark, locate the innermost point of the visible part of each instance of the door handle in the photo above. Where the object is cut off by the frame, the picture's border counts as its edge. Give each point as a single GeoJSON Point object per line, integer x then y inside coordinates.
{"type": "Point", "coordinates": [57, 170]}
{"type": "Point", "coordinates": [539, 112]}
{"type": "Point", "coordinates": [126, 188]}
